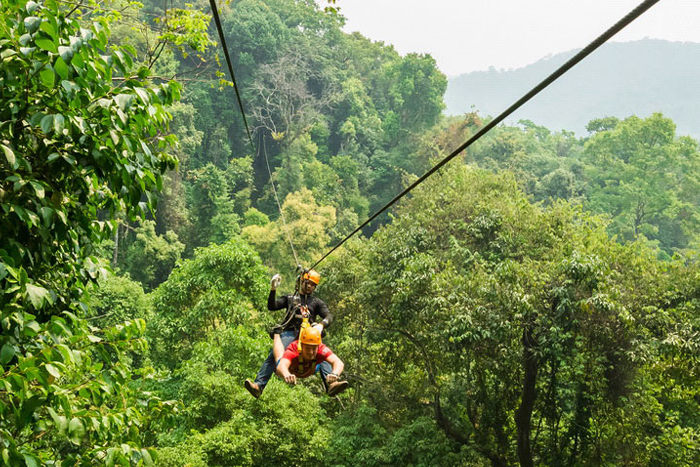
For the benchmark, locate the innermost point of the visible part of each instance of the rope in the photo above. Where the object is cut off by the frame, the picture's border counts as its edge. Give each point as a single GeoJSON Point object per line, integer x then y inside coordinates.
{"type": "Point", "coordinates": [217, 20]}
{"type": "Point", "coordinates": [274, 190]}
{"type": "Point", "coordinates": [215, 13]}
{"type": "Point", "coordinates": [600, 40]}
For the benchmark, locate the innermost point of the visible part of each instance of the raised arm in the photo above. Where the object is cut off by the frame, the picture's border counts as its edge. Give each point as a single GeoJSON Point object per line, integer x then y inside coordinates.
{"type": "Point", "coordinates": [274, 303]}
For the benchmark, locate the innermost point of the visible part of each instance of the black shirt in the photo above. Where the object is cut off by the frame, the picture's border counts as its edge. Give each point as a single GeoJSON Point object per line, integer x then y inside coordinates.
{"type": "Point", "coordinates": [293, 318]}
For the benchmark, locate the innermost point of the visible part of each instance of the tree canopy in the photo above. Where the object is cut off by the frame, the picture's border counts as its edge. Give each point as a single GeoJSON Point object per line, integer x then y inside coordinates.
{"type": "Point", "coordinates": [535, 302]}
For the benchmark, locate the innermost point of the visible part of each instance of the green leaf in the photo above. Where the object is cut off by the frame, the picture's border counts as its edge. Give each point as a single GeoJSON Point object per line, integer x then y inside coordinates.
{"type": "Point", "coordinates": [128, 48]}
{"type": "Point", "coordinates": [48, 29]}
{"type": "Point", "coordinates": [32, 23]}
{"type": "Point", "coordinates": [33, 326]}
{"type": "Point", "coordinates": [76, 431]}
{"type": "Point", "coordinates": [3, 271]}
{"type": "Point", "coordinates": [77, 61]}
{"type": "Point", "coordinates": [6, 353]}
{"type": "Point", "coordinates": [38, 188]}
{"type": "Point", "coordinates": [31, 7]}
{"type": "Point", "coordinates": [143, 94]}
{"type": "Point", "coordinates": [27, 410]}
{"type": "Point", "coordinates": [47, 77]}
{"type": "Point", "coordinates": [46, 214]}
{"type": "Point", "coordinates": [9, 155]}
{"type": "Point", "coordinates": [62, 425]}
{"type": "Point", "coordinates": [66, 353]}
{"type": "Point", "coordinates": [53, 371]}
{"type": "Point", "coordinates": [37, 295]}
{"type": "Point", "coordinates": [61, 68]}
{"type": "Point", "coordinates": [66, 53]}
{"type": "Point", "coordinates": [46, 123]}
{"type": "Point", "coordinates": [30, 460]}
{"type": "Point", "coordinates": [46, 44]}
{"type": "Point", "coordinates": [146, 458]}
{"type": "Point", "coordinates": [59, 123]}
{"type": "Point", "coordinates": [123, 100]}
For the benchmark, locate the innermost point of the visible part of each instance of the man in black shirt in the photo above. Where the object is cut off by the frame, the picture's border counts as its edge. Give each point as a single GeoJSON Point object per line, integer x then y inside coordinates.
{"type": "Point", "coordinates": [298, 307]}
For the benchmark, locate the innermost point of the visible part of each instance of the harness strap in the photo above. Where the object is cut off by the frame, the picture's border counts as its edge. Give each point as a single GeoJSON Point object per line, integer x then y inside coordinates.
{"type": "Point", "coordinates": [304, 324]}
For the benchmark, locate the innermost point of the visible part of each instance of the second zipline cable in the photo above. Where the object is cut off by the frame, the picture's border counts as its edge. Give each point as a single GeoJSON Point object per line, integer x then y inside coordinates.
{"type": "Point", "coordinates": [217, 20]}
{"type": "Point", "coordinates": [600, 40]}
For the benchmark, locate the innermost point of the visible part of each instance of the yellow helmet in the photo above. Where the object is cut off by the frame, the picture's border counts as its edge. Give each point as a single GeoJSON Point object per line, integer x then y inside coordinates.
{"type": "Point", "coordinates": [312, 276]}
{"type": "Point", "coordinates": [310, 336]}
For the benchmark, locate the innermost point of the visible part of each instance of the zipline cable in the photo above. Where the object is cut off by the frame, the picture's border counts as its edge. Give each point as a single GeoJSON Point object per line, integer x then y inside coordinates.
{"type": "Point", "coordinates": [217, 20]}
{"type": "Point", "coordinates": [600, 40]}
{"type": "Point", "coordinates": [274, 190]}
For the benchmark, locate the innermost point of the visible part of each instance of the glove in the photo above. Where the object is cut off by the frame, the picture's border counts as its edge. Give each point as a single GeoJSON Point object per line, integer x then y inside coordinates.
{"type": "Point", "coordinates": [331, 378]}
{"type": "Point", "coordinates": [275, 282]}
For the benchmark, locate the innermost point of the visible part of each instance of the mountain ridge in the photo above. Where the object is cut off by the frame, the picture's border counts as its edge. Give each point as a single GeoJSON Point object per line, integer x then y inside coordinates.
{"type": "Point", "coordinates": [619, 79]}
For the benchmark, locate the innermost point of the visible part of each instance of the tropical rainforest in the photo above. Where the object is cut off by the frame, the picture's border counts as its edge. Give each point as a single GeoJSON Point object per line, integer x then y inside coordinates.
{"type": "Point", "coordinates": [535, 302]}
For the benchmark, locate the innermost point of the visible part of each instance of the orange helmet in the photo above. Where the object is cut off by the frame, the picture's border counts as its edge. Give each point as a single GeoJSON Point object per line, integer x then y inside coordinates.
{"type": "Point", "coordinates": [312, 276]}
{"type": "Point", "coordinates": [310, 336]}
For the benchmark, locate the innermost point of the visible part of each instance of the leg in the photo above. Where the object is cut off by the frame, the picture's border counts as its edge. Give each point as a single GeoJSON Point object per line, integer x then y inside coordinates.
{"type": "Point", "coordinates": [282, 341]}
{"type": "Point", "coordinates": [266, 370]}
{"type": "Point", "coordinates": [324, 368]}
{"type": "Point", "coordinates": [278, 347]}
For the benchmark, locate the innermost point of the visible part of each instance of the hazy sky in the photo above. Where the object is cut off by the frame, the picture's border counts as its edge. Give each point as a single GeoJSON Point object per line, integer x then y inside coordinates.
{"type": "Point", "coordinates": [469, 35]}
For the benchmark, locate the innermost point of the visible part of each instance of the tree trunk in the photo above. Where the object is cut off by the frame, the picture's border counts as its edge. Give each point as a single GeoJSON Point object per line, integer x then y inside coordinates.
{"type": "Point", "coordinates": [523, 415]}
{"type": "Point", "coordinates": [115, 255]}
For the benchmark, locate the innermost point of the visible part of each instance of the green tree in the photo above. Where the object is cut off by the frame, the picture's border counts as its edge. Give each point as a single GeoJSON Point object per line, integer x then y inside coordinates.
{"type": "Point", "coordinates": [116, 299]}
{"type": "Point", "coordinates": [415, 92]}
{"type": "Point", "coordinates": [220, 287]}
{"type": "Point", "coordinates": [307, 224]}
{"type": "Point", "coordinates": [213, 216]}
{"type": "Point", "coordinates": [643, 176]}
{"type": "Point", "coordinates": [513, 327]}
{"type": "Point", "coordinates": [76, 148]}
{"type": "Point", "coordinates": [150, 257]}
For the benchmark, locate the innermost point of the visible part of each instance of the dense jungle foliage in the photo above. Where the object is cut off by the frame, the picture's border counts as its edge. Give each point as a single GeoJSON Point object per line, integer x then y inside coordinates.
{"type": "Point", "coordinates": [535, 303]}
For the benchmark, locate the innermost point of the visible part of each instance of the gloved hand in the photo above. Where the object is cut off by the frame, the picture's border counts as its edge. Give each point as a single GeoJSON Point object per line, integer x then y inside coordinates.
{"type": "Point", "coordinates": [275, 281]}
{"type": "Point", "coordinates": [331, 378]}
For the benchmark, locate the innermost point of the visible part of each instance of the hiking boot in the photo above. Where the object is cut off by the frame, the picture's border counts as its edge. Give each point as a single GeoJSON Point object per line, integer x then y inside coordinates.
{"type": "Point", "coordinates": [337, 387]}
{"type": "Point", "coordinates": [253, 388]}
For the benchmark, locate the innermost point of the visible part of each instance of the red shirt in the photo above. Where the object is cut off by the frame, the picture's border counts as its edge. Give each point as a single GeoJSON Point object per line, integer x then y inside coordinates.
{"type": "Point", "coordinates": [301, 367]}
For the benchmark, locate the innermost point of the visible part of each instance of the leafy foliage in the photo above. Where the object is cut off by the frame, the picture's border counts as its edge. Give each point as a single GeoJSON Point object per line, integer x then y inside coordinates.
{"type": "Point", "coordinates": [76, 149]}
{"type": "Point", "coordinates": [517, 330]}
{"type": "Point", "coordinates": [218, 288]}
{"type": "Point", "coordinates": [150, 258]}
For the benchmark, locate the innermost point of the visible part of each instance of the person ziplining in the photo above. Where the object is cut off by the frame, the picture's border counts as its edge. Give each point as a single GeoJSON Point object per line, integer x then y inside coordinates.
{"type": "Point", "coordinates": [256, 388]}
{"type": "Point", "coordinates": [307, 356]}
{"type": "Point", "coordinates": [304, 312]}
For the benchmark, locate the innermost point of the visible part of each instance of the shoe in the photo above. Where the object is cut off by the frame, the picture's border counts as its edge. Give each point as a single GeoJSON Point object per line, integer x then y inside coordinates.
{"type": "Point", "coordinates": [253, 388]}
{"type": "Point", "coordinates": [337, 387]}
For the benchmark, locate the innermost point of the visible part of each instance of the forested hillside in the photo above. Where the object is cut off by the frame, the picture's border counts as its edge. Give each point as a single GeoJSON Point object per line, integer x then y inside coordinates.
{"type": "Point", "coordinates": [619, 80]}
{"type": "Point", "coordinates": [535, 302]}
